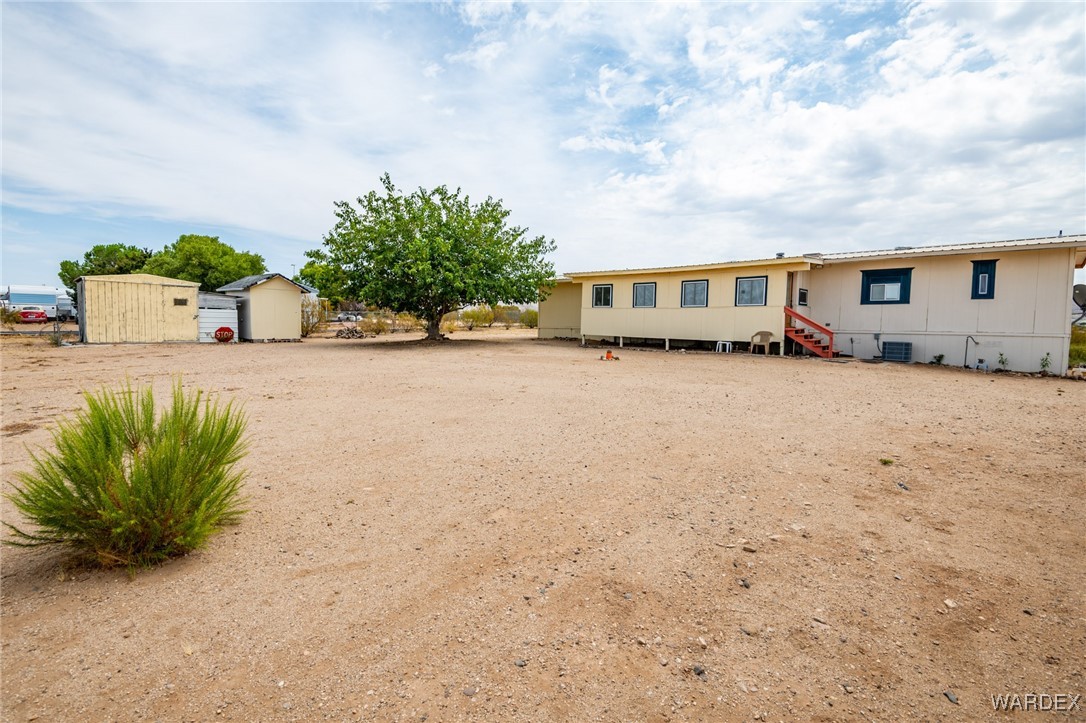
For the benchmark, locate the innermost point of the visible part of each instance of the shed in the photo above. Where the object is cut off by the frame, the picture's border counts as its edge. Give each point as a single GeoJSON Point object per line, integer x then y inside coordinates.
{"type": "Point", "coordinates": [217, 311]}
{"type": "Point", "coordinates": [136, 308]}
{"type": "Point", "coordinates": [270, 307]}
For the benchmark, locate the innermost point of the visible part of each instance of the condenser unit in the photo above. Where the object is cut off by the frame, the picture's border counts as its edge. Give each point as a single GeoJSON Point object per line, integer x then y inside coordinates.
{"type": "Point", "coordinates": [898, 351]}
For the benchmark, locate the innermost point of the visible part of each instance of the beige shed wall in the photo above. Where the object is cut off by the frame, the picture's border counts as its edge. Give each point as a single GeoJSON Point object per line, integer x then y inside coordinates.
{"type": "Point", "coordinates": [275, 310]}
{"type": "Point", "coordinates": [560, 312]}
{"type": "Point", "coordinates": [1027, 318]}
{"type": "Point", "coordinates": [138, 308]}
{"type": "Point", "coordinates": [721, 320]}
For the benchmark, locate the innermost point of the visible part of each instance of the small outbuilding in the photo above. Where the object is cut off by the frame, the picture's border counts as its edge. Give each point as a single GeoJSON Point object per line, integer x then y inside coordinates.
{"type": "Point", "coordinates": [269, 308]}
{"type": "Point", "coordinates": [140, 308]}
{"type": "Point", "coordinates": [218, 312]}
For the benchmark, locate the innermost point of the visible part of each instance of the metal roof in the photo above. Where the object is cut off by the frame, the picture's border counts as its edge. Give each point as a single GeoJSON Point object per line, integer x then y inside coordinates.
{"type": "Point", "coordinates": [1073, 241]}
{"type": "Point", "coordinates": [698, 267]}
{"type": "Point", "coordinates": [138, 279]}
{"type": "Point", "coordinates": [249, 281]}
{"type": "Point", "coordinates": [1077, 241]}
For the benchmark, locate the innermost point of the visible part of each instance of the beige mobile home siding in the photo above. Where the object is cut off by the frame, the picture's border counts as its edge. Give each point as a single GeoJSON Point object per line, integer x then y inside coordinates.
{"type": "Point", "coordinates": [137, 308]}
{"type": "Point", "coordinates": [1026, 319]}
{"type": "Point", "coordinates": [560, 312]}
{"type": "Point", "coordinates": [274, 310]}
{"type": "Point", "coordinates": [721, 320]}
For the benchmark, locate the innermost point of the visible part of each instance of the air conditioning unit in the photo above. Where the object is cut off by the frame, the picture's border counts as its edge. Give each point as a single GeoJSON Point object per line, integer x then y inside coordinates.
{"type": "Point", "coordinates": [899, 351]}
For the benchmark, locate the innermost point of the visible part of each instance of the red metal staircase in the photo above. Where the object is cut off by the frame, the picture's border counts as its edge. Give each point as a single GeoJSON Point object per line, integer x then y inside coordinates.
{"type": "Point", "coordinates": [809, 339]}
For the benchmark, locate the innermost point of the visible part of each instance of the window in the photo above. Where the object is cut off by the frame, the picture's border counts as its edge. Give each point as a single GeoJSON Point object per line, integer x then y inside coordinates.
{"type": "Point", "coordinates": [983, 279]}
{"type": "Point", "coordinates": [801, 300]}
{"type": "Point", "coordinates": [695, 293]}
{"type": "Point", "coordinates": [644, 295]}
{"type": "Point", "coordinates": [885, 286]}
{"type": "Point", "coordinates": [180, 302]}
{"type": "Point", "coordinates": [750, 291]}
{"type": "Point", "coordinates": [601, 295]}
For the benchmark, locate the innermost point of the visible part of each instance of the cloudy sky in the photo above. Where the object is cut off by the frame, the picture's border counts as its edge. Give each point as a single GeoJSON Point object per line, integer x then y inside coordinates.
{"type": "Point", "coordinates": [633, 134]}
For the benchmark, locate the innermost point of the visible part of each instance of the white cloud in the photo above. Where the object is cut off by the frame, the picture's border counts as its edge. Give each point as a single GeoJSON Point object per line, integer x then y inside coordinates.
{"type": "Point", "coordinates": [482, 57]}
{"type": "Point", "coordinates": [858, 39]}
{"type": "Point", "coordinates": [633, 134]}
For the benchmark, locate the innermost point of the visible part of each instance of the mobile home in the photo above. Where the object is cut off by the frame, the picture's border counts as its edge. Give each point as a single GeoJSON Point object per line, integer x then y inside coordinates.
{"type": "Point", "coordinates": [970, 304]}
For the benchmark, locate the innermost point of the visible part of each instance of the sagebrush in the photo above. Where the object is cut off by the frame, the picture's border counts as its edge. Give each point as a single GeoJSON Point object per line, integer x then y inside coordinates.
{"type": "Point", "coordinates": [128, 486]}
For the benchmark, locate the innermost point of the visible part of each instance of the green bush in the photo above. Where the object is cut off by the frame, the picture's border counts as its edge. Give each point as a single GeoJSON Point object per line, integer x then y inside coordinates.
{"type": "Point", "coordinates": [529, 318]}
{"type": "Point", "coordinates": [506, 315]}
{"type": "Point", "coordinates": [1077, 357]}
{"type": "Point", "coordinates": [478, 316]}
{"type": "Point", "coordinates": [9, 317]}
{"type": "Point", "coordinates": [315, 315]}
{"type": "Point", "coordinates": [373, 325]}
{"type": "Point", "coordinates": [126, 488]}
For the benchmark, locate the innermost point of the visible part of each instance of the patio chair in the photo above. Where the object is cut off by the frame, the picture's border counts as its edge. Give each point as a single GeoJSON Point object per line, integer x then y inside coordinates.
{"type": "Point", "coordinates": [762, 339]}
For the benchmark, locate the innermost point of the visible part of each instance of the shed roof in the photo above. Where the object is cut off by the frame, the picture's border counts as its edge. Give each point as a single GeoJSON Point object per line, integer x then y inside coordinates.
{"type": "Point", "coordinates": [250, 281]}
{"type": "Point", "coordinates": [139, 279]}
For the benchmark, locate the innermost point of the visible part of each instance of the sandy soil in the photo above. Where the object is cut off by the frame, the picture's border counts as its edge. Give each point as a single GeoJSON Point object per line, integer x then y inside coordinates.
{"type": "Point", "coordinates": [504, 528]}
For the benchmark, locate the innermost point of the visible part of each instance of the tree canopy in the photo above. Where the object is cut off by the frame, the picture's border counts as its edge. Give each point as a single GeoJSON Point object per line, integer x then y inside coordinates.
{"type": "Point", "coordinates": [329, 279]}
{"type": "Point", "coordinates": [205, 260]}
{"type": "Point", "coordinates": [104, 259]}
{"type": "Point", "coordinates": [432, 252]}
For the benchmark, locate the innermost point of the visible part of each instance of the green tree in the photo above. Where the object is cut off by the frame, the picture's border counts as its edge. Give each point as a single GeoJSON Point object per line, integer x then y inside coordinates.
{"type": "Point", "coordinates": [331, 280]}
{"type": "Point", "coordinates": [103, 259]}
{"type": "Point", "coordinates": [205, 260]}
{"type": "Point", "coordinates": [529, 318]}
{"type": "Point", "coordinates": [433, 252]}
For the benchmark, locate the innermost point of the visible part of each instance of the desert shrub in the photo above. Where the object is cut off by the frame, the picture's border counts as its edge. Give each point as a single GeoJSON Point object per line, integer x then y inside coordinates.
{"type": "Point", "coordinates": [529, 318]}
{"type": "Point", "coordinates": [315, 315]}
{"type": "Point", "coordinates": [1077, 355]}
{"type": "Point", "coordinates": [127, 486]}
{"type": "Point", "coordinates": [9, 317]}
{"type": "Point", "coordinates": [478, 316]}
{"type": "Point", "coordinates": [373, 325]}
{"type": "Point", "coordinates": [448, 323]}
{"type": "Point", "coordinates": [406, 321]}
{"type": "Point", "coordinates": [506, 315]}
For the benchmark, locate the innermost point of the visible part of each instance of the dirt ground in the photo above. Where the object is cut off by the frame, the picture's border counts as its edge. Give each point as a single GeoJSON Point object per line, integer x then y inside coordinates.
{"type": "Point", "coordinates": [501, 528]}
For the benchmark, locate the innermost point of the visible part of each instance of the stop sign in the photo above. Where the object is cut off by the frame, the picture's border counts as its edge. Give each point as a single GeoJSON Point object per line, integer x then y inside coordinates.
{"type": "Point", "coordinates": [224, 333]}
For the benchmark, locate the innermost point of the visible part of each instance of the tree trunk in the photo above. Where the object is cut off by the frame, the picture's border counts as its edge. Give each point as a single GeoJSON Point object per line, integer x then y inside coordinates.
{"type": "Point", "coordinates": [433, 329]}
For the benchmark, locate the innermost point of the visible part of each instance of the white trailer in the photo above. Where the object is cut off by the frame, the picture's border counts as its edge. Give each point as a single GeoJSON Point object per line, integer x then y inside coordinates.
{"type": "Point", "coordinates": [53, 300]}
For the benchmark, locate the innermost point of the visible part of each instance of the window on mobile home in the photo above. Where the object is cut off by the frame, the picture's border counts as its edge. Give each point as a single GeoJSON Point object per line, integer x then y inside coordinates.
{"type": "Point", "coordinates": [885, 286]}
{"type": "Point", "coordinates": [984, 279]}
{"type": "Point", "coordinates": [644, 295]}
{"type": "Point", "coordinates": [750, 290]}
{"type": "Point", "coordinates": [601, 295]}
{"type": "Point", "coordinates": [695, 293]}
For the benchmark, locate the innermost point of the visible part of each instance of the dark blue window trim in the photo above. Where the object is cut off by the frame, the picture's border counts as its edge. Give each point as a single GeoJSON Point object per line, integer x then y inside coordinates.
{"type": "Point", "coordinates": [887, 279]}
{"type": "Point", "coordinates": [984, 279]}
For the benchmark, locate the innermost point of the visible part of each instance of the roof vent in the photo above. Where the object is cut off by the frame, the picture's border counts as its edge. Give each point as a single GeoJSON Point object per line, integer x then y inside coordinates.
{"type": "Point", "coordinates": [780, 254]}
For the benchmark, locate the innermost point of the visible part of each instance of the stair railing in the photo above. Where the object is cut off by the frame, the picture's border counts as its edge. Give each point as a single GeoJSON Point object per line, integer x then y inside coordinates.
{"type": "Point", "coordinates": [790, 313]}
